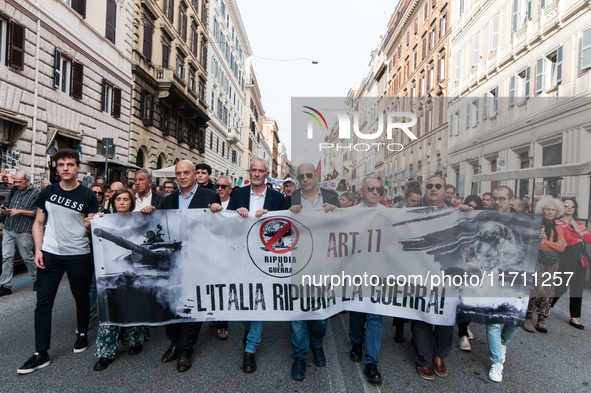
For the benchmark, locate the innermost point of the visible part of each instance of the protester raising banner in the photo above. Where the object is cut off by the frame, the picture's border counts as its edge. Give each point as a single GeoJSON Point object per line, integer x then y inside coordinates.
{"type": "Point", "coordinates": [425, 264]}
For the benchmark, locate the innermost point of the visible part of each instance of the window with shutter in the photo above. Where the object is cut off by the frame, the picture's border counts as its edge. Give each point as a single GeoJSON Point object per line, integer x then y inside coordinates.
{"type": "Point", "coordinates": [527, 82]}
{"type": "Point", "coordinates": [16, 57]}
{"type": "Point", "coordinates": [116, 102]}
{"type": "Point", "coordinates": [495, 92]}
{"type": "Point", "coordinates": [57, 69]}
{"type": "Point", "coordinates": [148, 31]}
{"type": "Point", "coordinates": [515, 21]}
{"type": "Point", "coordinates": [171, 10]}
{"type": "Point", "coordinates": [559, 65]}
{"type": "Point", "coordinates": [111, 20]}
{"type": "Point", "coordinates": [485, 106]}
{"type": "Point", "coordinates": [103, 96]}
{"type": "Point", "coordinates": [77, 78]}
{"type": "Point", "coordinates": [494, 32]}
{"type": "Point", "coordinates": [539, 76]}
{"type": "Point", "coordinates": [443, 25]}
{"type": "Point", "coordinates": [3, 40]}
{"type": "Point", "coordinates": [586, 50]}
{"type": "Point", "coordinates": [512, 92]}
{"type": "Point", "coordinates": [80, 7]}
{"type": "Point", "coordinates": [165, 50]}
{"type": "Point", "coordinates": [476, 50]}
{"type": "Point", "coordinates": [468, 113]}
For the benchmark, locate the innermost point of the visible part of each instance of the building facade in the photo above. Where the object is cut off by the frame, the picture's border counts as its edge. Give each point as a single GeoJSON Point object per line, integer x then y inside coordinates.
{"type": "Point", "coordinates": [415, 79]}
{"type": "Point", "coordinates": [65, 82]}
{"type": "Point", "coordinates": [271, 134]}
{"type": "Point", "coordinates": [226, 87]}
{"type": "Point", "coordinates": [253, 120]}
{"type": "Point", "coordinates": [169, 112]}
{"type": "Point", "coordinates": [519, 97]}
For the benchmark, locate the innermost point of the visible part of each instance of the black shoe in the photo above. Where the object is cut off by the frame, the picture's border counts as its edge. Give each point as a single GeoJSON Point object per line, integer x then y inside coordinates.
{"type": "Point", "coordinates": [35, 286]}
{"type": "Point", "coordinates": [135, 350]}
{"type": "Point", "coordinates": [244, 339]}
{"type": "Point", "coordinates": [5, 291]}
{"type": "Point", "coordinates": [298, 369]}
{"type": "Point", "coordinates": [356, 353]}
{"type": "Point", "coordinates": [35, 362]}
{"type": "Point", "coordinates": [372, 373]}
{"type": "Point", "coordinates": [102, 364]}
{"type": "Point", "coordinates": [399, 335]}
{"type": "Point", "coordinates": [249, 364]}
{"type": "Point", "coordinates": [319, 357]}
{"type": "Point", "coordinates": [81, 343]}
{"type": "Point", "coordinates": [577, 325]}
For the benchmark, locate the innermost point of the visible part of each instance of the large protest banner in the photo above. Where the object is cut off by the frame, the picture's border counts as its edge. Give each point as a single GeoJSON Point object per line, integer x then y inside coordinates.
{"type": "Point", "coordinates": [426, 263]}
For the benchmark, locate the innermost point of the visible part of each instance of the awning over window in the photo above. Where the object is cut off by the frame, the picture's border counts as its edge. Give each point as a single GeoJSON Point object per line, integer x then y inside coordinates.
{"type": "Point", "coordinates": [575, 169]}
{"type": "Point", "coordinates": [99, 160]}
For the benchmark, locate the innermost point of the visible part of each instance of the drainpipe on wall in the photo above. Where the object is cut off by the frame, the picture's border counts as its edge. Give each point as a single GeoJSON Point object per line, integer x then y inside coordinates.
{"type": "Point", "coordinates": [36, 91]}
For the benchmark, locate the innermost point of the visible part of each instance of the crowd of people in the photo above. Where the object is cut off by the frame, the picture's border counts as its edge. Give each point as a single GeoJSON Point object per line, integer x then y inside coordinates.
{"type": "Point", "coordinates": [50, 227]}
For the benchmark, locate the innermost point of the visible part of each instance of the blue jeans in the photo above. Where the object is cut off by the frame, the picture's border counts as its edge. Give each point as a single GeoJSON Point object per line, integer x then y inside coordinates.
{"type": "Point", "coordinates": [373, 334]}
{"type": "Point", "coordinates": [306, 334]}
{"type": "Point", "coordinates": [498, 335]}
{"type": "Point", "coordinates": [254, 328]}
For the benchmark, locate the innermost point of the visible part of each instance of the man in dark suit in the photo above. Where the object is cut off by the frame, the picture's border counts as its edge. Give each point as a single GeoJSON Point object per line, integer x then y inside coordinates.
{"type": "Point", "coordinates": [146, 201]}
{"type": "Point", "coordinates": [259, 199]}
{"type": "Point", "coordinates": [183, 336]}
{"type": "Point", "coordinates": [310, 195]}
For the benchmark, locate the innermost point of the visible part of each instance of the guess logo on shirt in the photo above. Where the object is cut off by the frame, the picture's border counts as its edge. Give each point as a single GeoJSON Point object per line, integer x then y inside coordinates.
{"type": "Point", "coordinates": [66, 202]}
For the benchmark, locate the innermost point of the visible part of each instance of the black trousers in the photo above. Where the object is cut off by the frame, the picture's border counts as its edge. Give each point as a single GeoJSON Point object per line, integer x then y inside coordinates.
{"type": "Point", "coordinates": [398, 323]}
{"type": "Point", "coordinates": [430, 340]}
{"type": "Point", "coordinates": [79, 269]}
{"type": "Point", "coordinates": [183, 336]}
{"type": "Point", "coordinates": [463, 329]}
{"type": "Point", "coordinates": [568, 264]}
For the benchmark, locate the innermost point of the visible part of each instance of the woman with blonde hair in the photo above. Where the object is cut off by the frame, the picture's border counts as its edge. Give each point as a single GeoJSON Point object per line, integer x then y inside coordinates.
{"type": "Point", "coordinates": [553, 242]}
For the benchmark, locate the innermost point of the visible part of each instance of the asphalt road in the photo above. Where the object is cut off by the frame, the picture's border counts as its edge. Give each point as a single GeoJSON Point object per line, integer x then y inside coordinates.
{"type": "Point", "coordinates": [554, 362]}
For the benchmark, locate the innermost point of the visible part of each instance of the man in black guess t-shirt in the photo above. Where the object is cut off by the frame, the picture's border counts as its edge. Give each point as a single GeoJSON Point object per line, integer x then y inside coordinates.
{"type": "Point", "coordinates": [62, 246]}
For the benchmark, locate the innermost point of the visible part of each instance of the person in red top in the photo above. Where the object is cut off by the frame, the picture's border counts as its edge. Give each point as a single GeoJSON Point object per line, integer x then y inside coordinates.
{"type": "Point", "coordinates": [576, 236]}
{"type": "Point", "coordinates": [540, 299]}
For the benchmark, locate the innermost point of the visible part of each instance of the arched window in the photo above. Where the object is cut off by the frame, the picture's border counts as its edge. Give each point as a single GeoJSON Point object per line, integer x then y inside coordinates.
{"type": "Point", "coordinates": [140, 159]}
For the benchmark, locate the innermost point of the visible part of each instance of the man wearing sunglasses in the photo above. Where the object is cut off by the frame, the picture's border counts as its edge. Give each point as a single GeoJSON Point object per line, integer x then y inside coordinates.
{"type": "Point", "coordinates": [432, 342]}
{"type": "Point", "coordinates": [224, 189]}
{"type": "Point", "coordinates": [309, 195]}
{"type": "Point", "coordinates": [371, 193]}
{"type": "Point", "coordinates": [258, 199]}
{"type": "Point", "coordinates": [306, 334]}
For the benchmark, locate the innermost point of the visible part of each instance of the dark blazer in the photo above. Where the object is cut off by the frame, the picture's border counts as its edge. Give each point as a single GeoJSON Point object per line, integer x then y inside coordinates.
{"type": "Point", "coordinates": [274, 200]}
{"type": "Point", "coordinates": [157, 200]}
{"type": "Point", "coordinates": [328, 196]}
{"type": "Point", "coordinates": [201, 199]}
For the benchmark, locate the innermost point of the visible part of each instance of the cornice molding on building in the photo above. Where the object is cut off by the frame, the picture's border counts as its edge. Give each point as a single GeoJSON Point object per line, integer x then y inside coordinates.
{"type": "Point", "coordinates": [154, 11]}
{"type": "Point", "coordinates": [144, 75]}
{"type": "Point", "coordinates": [402, 25]}
{"type": "Point", "coordinates": [233, 7]}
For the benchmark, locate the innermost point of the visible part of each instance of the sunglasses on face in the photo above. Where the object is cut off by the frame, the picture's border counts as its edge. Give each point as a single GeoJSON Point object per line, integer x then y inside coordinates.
{"type": "Point", "coordinates": [222, 186]}
{"type": "Point", "coordinates": [380, 190]}
{"type": "Point", "coordinates": [500, 199]}
{"type": "Point", "coordinates": [437, 186]}
{"type": "Point", "coordinates": [98, 193]}
{"type": "Point", "coordinates": [569, 206]}
{"type": "Point", "coordinates": [308, 175]}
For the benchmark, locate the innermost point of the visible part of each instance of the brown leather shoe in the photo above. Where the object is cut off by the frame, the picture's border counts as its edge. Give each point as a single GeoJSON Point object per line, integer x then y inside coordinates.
{"type": "Point", "coordinates": [169, 355]}
{"type": "Point", "coordinates": [426, 372]}
{"type": "Point", "coordinates": [183, 364]}
{"type": "Point", "coordinates": [439, 367]}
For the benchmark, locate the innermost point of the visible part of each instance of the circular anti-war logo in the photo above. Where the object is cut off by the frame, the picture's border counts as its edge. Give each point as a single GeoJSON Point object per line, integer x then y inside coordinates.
{"type": "Point", "coordinates": [280, 246]}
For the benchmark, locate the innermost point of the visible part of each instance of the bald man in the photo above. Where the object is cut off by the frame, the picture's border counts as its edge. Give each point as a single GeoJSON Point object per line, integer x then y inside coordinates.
{"type": "Point", "coordinates": [183, 336]}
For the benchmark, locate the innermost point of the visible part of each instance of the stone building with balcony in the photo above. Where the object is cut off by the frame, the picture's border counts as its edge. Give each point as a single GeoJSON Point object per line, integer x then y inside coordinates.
{"type": "Point", "coordinates": [271, 134]}
{"type": "Point", "coordinates": [415, 79]}
{"type": "Point", "coordinates": [169, 111]}
{"type": "Point", "coordinates": [226, 87]}
{"type": "Point", "coordinates": [253, 120]}
{"type": "Point", "coordinates": [65, 79]}
{"type": "Point", "coordinates": [519, 101]}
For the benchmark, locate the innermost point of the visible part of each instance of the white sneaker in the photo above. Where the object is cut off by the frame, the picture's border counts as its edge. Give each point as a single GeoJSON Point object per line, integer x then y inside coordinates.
{"type": "Point", "coordinates": [496, 372]}
{"type": "Point", "coordinates": [470, 335]}
{"type": "Point", "coordinates": [504, 352]}
{"type": "Point", "coordinates": [465, 344]}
